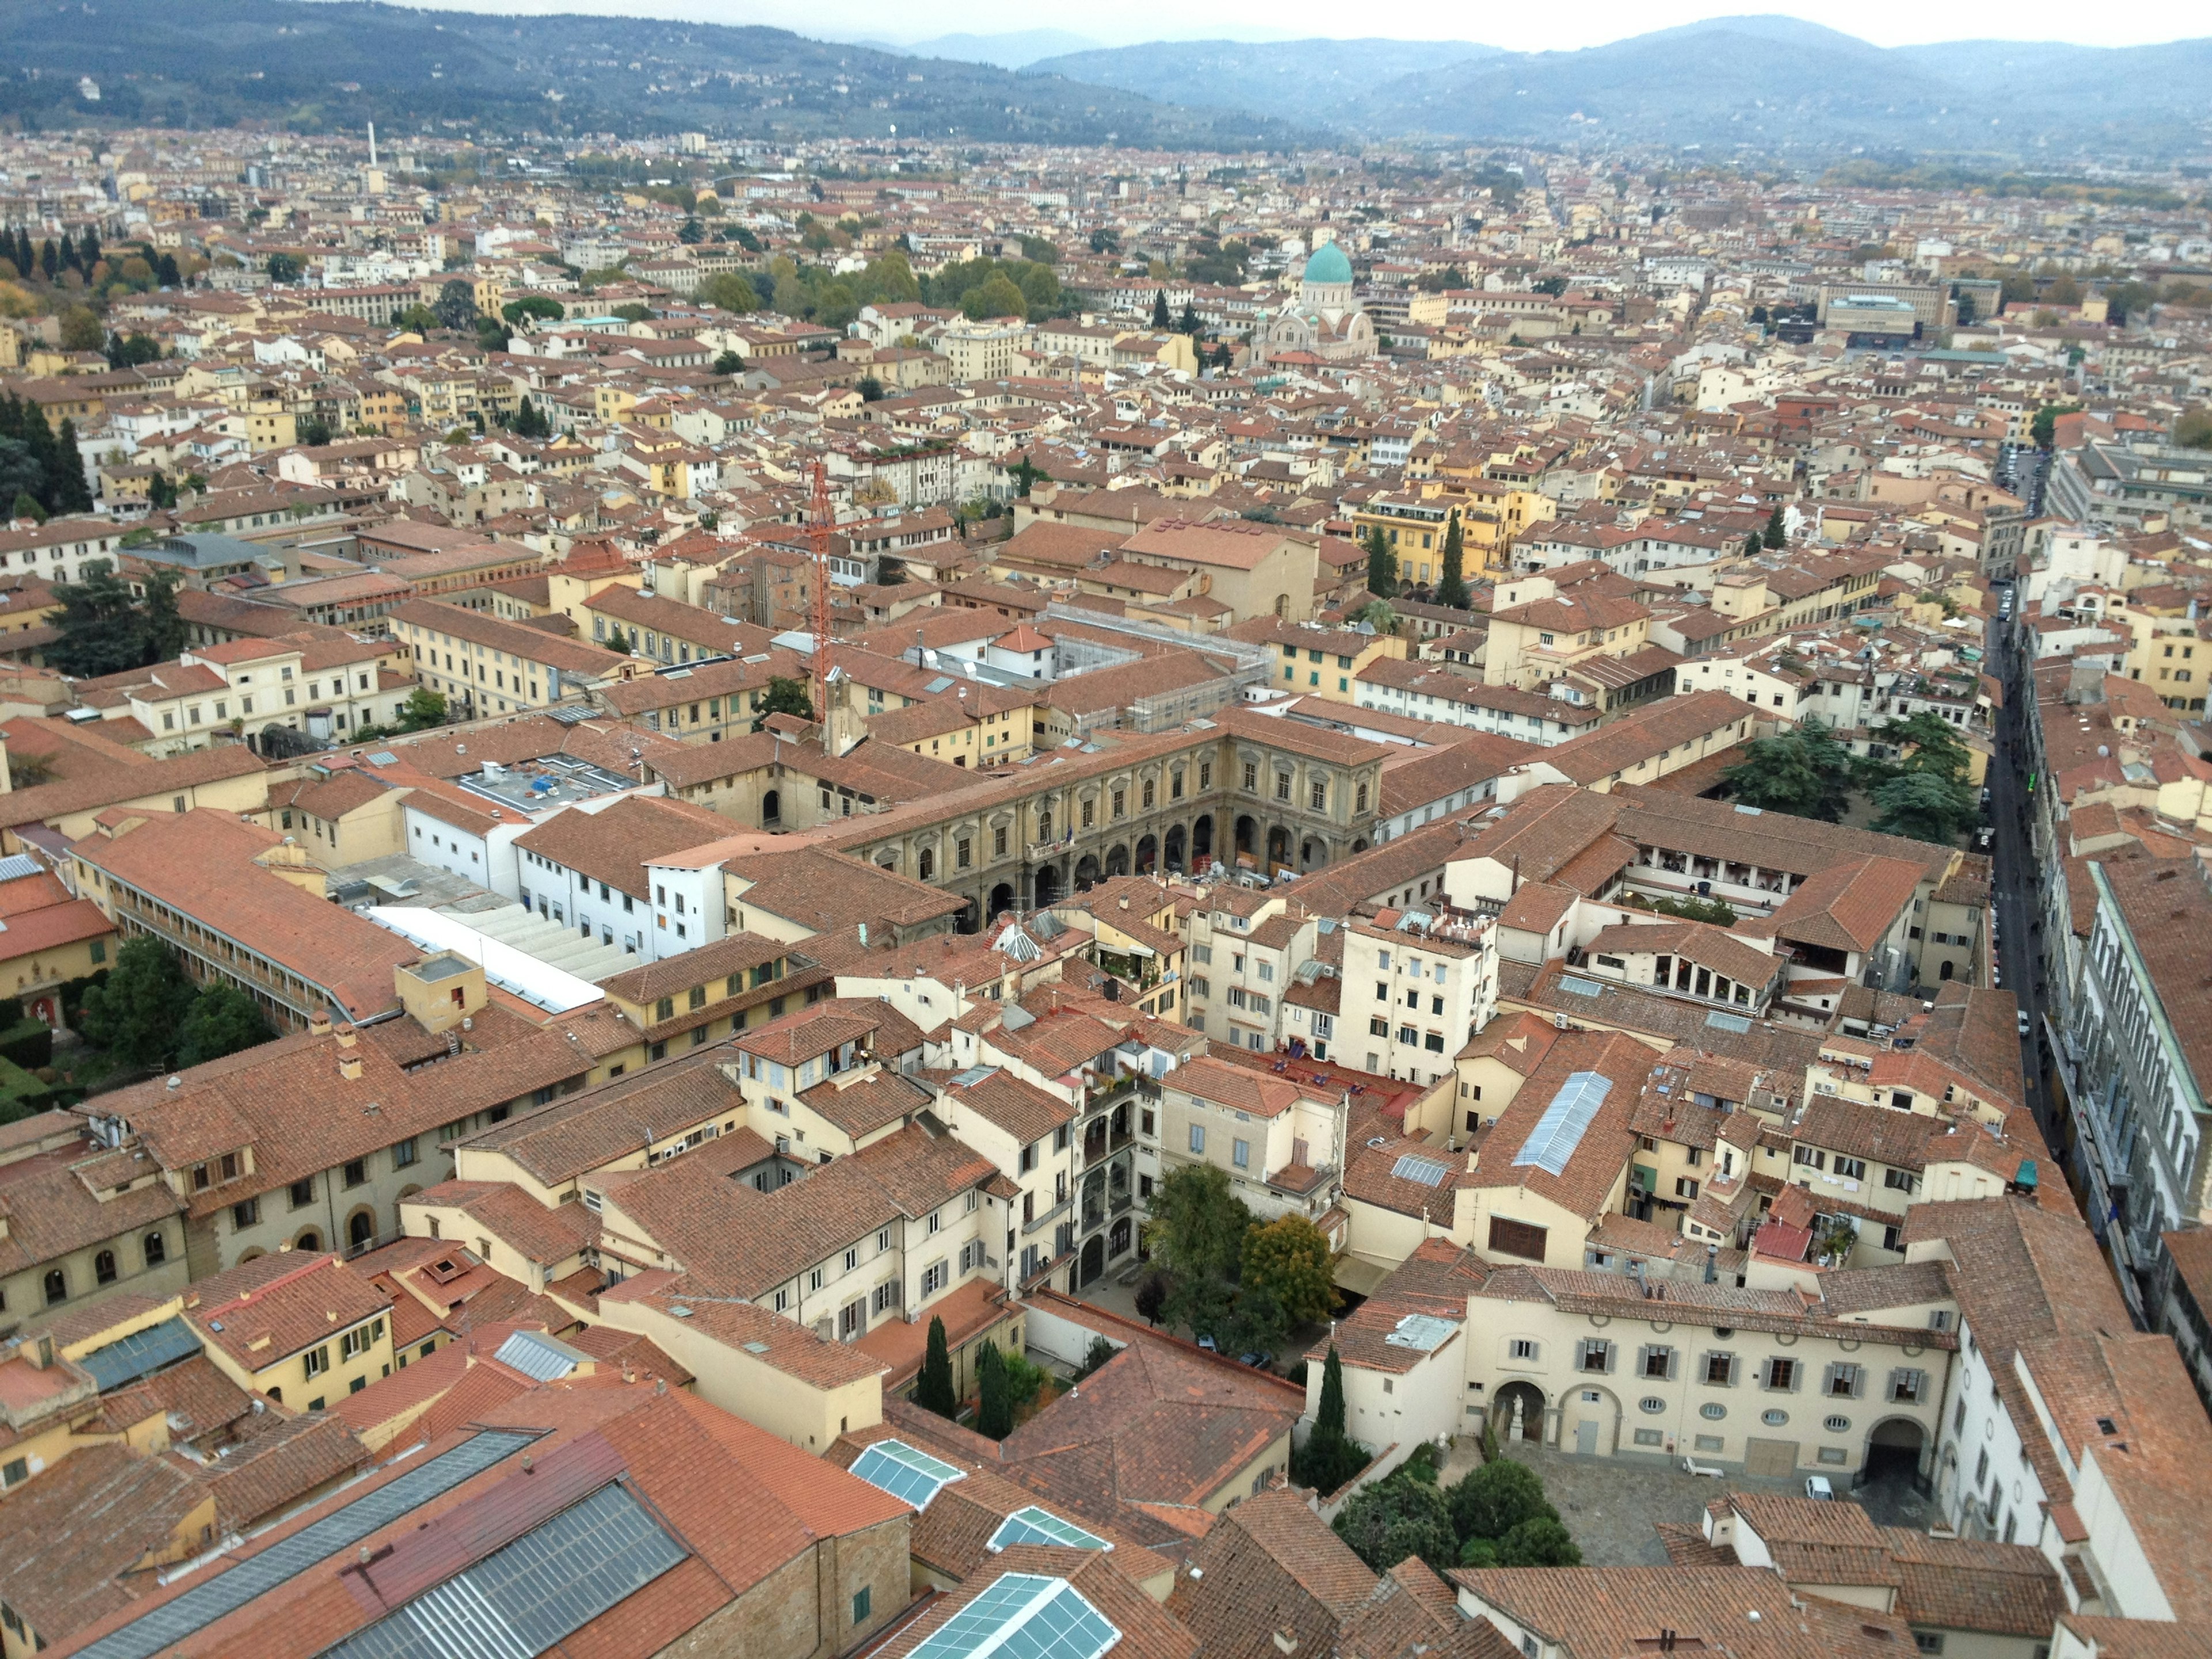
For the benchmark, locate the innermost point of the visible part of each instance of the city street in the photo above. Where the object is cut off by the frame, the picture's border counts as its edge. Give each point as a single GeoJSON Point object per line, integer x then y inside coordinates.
{"type": "Point", "coordinates": [2014, 882]}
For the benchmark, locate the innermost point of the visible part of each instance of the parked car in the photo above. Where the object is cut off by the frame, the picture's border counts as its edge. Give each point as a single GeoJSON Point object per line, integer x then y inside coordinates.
{"type": "Point", "coordinates": [1817, 1487]}
{"type": "Point", "coordinates": [2022, 1016]}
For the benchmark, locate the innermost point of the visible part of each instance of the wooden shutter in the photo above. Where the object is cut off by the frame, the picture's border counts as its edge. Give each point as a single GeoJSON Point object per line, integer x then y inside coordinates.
{"type": "Point", "coordinates": [1517, 1238]}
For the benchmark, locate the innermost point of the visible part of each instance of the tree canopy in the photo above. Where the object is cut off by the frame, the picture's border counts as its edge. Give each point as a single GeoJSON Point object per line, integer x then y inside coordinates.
{"type": "Point", "coordinates": [1451, 587]}
{"type": "Point", "coordinates": [1199, 1223]}
{"type": "Point", "coordinates": [1397, 1517]}
{"type": "Point", "coordinates": [1805, 773]}
{"type": "Point", "coordinates": [103, 629]}
{"type": "Point", "coordinates": [785, 697]}
{"type": "Point", "coordinates": [1289, 1258]}
{"type": "Point", "coordinates": [1382, 565]}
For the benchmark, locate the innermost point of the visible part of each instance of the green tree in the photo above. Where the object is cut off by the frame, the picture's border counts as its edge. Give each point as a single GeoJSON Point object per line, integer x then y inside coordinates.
{"type": "Point", "coordinates": [1105, 241]}
{"type": "Point", "coordinates": [137, 1015]}
{"type": "Point", "coordinates": [129, 353]}
{"type": "Point", "coordinates": [1924, 806]}
{"type": "Point", "coordinates": [691, 231]}
{"type": "Point", "coordinates": [785, 697]}
{"type": "Point", "coordinates": [870, 388]}
{"type": "Point", "coordinates": [1160, 324]}
{"type": "Point", "coordinates": [1490, 1501]}
{"type": "Point", "coordinates": [1804, 773]}
{"type": "Point", "coordinates": [284, 268]}
{"type": "Point", "coordinates": [23, 476]}
{"type": "Point", "coordinates": [417, 319]}
{"type": "Point", "coordinates": [1928, 743]}
{"type": "Point", "coordinates": [1038, 251]}
{"type": "Point", "coordinates": [100, 630]}
{"type": "Point", "coordinates": [314, 432]}
{"type": "Point", "coordinates": [1382, 565]}
{"type": "Point", "coordinates": [1289, 1257]}
{"type": "Point", "coordinates": [166, 272]}
{"type": "Point", "coordinates": [222, 1020]}
{"type": "Point", "coordinates": [998, 297]}
{"type": "Point", "coordinates": [1752, 545]}
{"type": "Point", "coordinates": [82, 329]}
{"type": "Point", "coordinates": [1378, 614]}
{"type": "Point", "coordinates": [66, 488]}
{"type": "Point", "coordinates": [729, 291]}
{"type": "Point", "coordinates": [422, 709]}
{"type": "Point", "coordinates": [27, 506]}
{"type": "Point", "coordinates": [456, 306]}
{"type": "Point", "coordinates": [1388, 1521]}
{"type": "Point", "coordinates": [994, 1410]}
{"type": "Point", "coordinates": [1451, 588]}
{"type": "Point", "coordinates": [2043, 430]}
{"type": "Point", "coordinates": [1199, 1223]}
{"type": "Point", "coordinates": [533, 308]}
{"type": "Point", "coordinates": [1777, 530]}
{"type": "Point", "coordinates": [934, 1391]}
{"type": "Point", "coordinates": [163, 631]}
{"type": "Point", "coordinates": [729, 363]}
{"type": "Point", "coordinates": [1329, 1456]}
{"type": "Point", "coordinates": [2194, 430]}
{"type": "Point", "coordinates": [1543, 1542]}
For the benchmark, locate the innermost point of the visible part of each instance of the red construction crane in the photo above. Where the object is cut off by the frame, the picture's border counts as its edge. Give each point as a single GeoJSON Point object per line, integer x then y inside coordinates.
{"type": "Point", "coordinates": [820, 522]}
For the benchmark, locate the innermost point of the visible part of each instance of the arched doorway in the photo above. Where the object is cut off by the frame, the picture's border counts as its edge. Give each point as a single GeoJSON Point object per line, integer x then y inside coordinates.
{"type": "Point", "coordinates": [1002, 900]}
{"type": "Point", "coordinates": [1094, 1258]}
{"type": "Point", "coordinates": [1118, 1237]}
{"type": "Point", "coordinates": [1895, 1448]}
{"type": "Point", "coordinates": [360, 1230]}
{"type": "Point", "coordinates": [1530, 1400]}
{"type": "Point", "coordinates": [1279, 846]}
{"type": "Point", "coordinates": [1247, 837]}
{"type": "Point", "coordinates": [1176, 843]}
{"type": "Point", "coordinates": [1359, 845]}
{"type": "Point", "coordinates": [1148, 854]}
{"type": "Point", "coordinates": [310, 1240]}
{"type": "Point", "coordinates": [772, 810]}
{"type": "Point", "coordinates": [1201, 842]}
{"type": "Point", "coordinates": [1589, 1422]}
{"type": "Point", "coordinates": [1046, 884]}
{"type": "Point", "coordinates": [1086, 873]}
{"type": "Point", "coordinates": [1311, 854]}
{"type": "Point", "coordinates": [967, 921]}
{"type": "Point", "coordinates": [1117, 860]}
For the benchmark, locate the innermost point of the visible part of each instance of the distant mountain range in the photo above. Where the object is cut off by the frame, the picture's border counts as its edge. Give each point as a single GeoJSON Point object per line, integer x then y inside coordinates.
{"type": "Point", "coordinates": [340, 64]}
{"type": "Point", "coordinates": [1767, 81]}
{"type": "Point", "coordinates": [1771, 85]}
{"type": "Point", "coordinates": [1317, 83]}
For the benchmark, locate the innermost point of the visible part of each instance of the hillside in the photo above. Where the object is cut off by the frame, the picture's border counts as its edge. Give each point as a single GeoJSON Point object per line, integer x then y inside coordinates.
{"type": "Point", "coordinates": [1771, 82]}
{"type": "Point", "coordinates": [1301, 81]}
{"type": "Point", "coordinates": [326, 66]}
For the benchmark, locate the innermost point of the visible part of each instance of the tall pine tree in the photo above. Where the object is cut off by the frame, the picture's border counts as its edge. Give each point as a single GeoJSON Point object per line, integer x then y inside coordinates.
{"type": "Point", "coordinates": [1778, 530]}
{"type": "Point", "coordinates": [1451, 589]}
{"type": "Point", "coordinates": [87, 250]}
{"type": "Point", "coordinates": [1160, 322]}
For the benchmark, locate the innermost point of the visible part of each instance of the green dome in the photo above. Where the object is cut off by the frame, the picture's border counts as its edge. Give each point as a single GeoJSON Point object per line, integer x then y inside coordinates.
{"type": "Point", "coordinates": [1328, 265]}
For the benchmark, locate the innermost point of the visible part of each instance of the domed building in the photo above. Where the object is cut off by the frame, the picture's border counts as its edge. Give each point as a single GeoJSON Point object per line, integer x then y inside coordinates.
{"type": "Point", "coordinates": [1325, 321]}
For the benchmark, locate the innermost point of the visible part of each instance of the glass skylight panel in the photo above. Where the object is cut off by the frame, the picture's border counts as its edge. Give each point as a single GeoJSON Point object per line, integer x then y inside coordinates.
{"type": "Point", "coordinates": [1023, 1616]}
{"type": "Point", "coordinates": [893, 1467]}
{"type": "Point", "coordinates": [1036, 1526]}
{"type": "Point", "coordinates": [1426, 1170]}
{"type": "Point", "coordinates": [1560, 1130]}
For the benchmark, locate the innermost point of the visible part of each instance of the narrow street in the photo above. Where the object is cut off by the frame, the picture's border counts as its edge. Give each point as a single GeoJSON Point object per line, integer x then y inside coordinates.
{"type": "Point", "coordinates": [2016, 910]}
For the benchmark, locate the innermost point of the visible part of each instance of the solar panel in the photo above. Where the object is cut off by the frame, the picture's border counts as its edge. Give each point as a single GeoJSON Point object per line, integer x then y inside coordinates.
{"type": "Point", "coordinates": [1023, 1616]}
{"type": "Point", "coordinates": [1560, 1130]}
{"type": "Point", "coordinates": [1036, 1526]}
{"type": "Point", "coordinates": [1426, 1170]}
{"type": "Point", "coordinates": [893, 1467]}
{"type": "Point", "coordinates": [522, 1600]}
{"type": "Point", "coordinates": [140, 1353]}
{"type": "Point", "coordinates": [224, 1593]}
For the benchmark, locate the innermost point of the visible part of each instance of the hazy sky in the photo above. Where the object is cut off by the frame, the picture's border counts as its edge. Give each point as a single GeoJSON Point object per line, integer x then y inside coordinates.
{"type": "Point", "coordinates": [1521, 28]}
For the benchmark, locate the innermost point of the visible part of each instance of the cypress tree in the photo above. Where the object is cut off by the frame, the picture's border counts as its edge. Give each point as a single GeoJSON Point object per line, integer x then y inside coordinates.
{"type": "Point", "coordinates": [1160, 322]}
{"type": "Point", "coordinates": [67, 257]}
{"type": "Point", "coordinates": [1451, 589]}
{"type": "Point", "coordinates": [995, 1412]}
{"type": "Point", "coordinates": [934, 1391]}
{"type": "Point", "coordinates": [66, 489]}
{"type": "Point", "coordinates": [49, 261]}
{"type": "Point", "coordinates": [1329, 1418]}
{"type": "Point", "coordinates": [1777, 531]}
{"type": "Point", "coordinates": [165, 271]}
{"type": "Point", "coordinates": [88, 249]}
{"type": "Point", "coordinates": [26, 257]}
{"type": "Point", "coordinates": [1382, 566]}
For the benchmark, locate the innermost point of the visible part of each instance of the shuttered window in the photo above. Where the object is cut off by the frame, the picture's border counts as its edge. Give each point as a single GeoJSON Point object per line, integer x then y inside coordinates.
{"type": "Point", "coordinates": [1517, 1238]}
